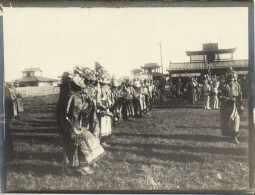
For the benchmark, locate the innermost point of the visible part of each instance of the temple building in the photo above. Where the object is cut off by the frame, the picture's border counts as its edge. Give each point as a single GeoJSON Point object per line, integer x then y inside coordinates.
{"type": "Point", "coordinates": [209, 59]}
{"type": "Point", "coordinates": [136, 72]}
{"type": "Point", "coordinates": [33, 77]}
{"type": "Point", "coordinates": [152, 69]}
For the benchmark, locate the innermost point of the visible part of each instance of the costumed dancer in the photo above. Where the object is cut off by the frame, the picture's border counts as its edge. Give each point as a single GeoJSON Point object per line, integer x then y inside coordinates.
{"type": "Point", "coordinates": [105, 116]}
{"type": "Point", "coordinates": [80, 147]}
{"type": "Point", "coordinates": [231, 106]}
{"type": "Point", "coordinates": [136, 99]}
{"type": "Point", "coordinates": [129, 99]}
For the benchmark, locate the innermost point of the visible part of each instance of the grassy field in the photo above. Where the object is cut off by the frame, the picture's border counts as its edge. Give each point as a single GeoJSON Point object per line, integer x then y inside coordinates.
{"type": "Point", "coordinates": [176, 147]}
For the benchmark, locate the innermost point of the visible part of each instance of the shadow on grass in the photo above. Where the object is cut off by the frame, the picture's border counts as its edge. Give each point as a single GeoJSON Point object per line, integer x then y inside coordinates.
{"type": "Point", "coordinates": [167, 106]}
{"type": "Point", "coordinates": [244, 127]}
{"type": "Point", "coordinates": [240, 152]}
{"type": "Point", "coordinates": [42, 156]}
{"type": "Point", "coordinates": [35, 169]}
{"type": "Point", "coordinates": [35, 130]}
{"type": "Point", "coordinates": [38, 110]}
{"type": "Point", "coordinates": [44, 139]}
{"type": "Point", "coordinates": [200, 138]}
{"type": "Point", "coordinates": [170, 156]}
{"type": "Point", "coordinates": [191, 127]}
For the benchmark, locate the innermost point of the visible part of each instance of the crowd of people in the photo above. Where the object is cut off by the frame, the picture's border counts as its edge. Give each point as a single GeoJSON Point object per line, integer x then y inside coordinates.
{"type": "Point", "coordinates": [223, 92]}
{"type": "Point", "coordinates": [90, 103]}
{"type": "Point", "coordinates": [206, 89]}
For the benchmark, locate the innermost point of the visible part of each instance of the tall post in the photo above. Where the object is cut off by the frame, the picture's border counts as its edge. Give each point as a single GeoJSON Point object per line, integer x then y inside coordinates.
{"type": "Point", "coordinates": [251, 97]}
{"type": "Point", "coordinates": [2, 113]}
{"type": "Point", "coordinates": [161, 58]}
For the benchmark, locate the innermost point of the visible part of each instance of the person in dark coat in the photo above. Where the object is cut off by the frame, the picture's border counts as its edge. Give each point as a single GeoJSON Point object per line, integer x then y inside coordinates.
{"type": "Point", "coordinates": [8, 109]}
{"type": "Point", "coordinates": [191, 91]}
{"type": "Point", "coordinates": [231, 106]}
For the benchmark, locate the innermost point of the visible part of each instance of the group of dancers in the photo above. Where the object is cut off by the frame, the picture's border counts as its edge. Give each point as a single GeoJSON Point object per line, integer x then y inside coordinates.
{"type": "Point", "coordinates": [87, 109]}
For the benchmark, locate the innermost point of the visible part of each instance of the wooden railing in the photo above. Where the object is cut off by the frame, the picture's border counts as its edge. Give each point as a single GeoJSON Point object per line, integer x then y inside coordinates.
{"type": "Point", "coordinates": [202, 65]}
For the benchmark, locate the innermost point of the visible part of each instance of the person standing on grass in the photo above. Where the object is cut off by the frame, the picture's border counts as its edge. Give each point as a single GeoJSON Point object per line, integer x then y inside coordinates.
{"type": "Point", "coordinates": [206, 92]}
{"type": "Point", "coordinates": [81, 147]}
{"type": "Point", "coordinates": [20, 107]}
{"type": "Point", "coordinates": [14, 99]}
{"type": "Point", "coordinates": [215, 87]}
{"type": "Point", "coordinates": [105, 116]}
{"type": "Point", "coordinates": [191, 91]}
{"type": "Point", "coordinates": [231, 106]}
{"type": "Point", "coordinates": [8, 110]}
{"type": "Point", "coordinates": [179, 89]}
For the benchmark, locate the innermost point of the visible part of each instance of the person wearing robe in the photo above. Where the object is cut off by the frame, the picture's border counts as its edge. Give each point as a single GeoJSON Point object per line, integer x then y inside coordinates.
{"type": "Point", "coordinates": [8, 109]}
{"type": "Point", "coordinates": [20, 106]}
{"type": "Point", "coordinates": [14, 99]}
{"type": "Point", "coordinates": [231, 107]}
{"type": "Point", "coordinates": [105, 116]}
{"type": "Point", "coordinates": [129, 100]}
{"type": "Point", "coordinates": [215, 87]}
{"type": "Point", "coordinates": [191, 91]}
{"type": "Point", "coordinates": [80, 147]}
{"type": "Point", "coordinates": [136, 100]}
{"type": "Point", "coordinates": [179, 89]}
{"type": "Point", "coordinates": [143, 90]}
{"type": "Point", "coordinates": [206, 91]}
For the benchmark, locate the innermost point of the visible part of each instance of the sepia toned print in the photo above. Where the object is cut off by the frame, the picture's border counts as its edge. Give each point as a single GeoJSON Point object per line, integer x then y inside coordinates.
{"type": "Point", "coordinates": [126, 98]}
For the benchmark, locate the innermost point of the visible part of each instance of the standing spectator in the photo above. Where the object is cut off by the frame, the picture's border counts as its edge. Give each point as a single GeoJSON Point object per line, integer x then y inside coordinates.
{"type": "Point", "coordinates": [19, 104]}
{"type": "Point", "coordinates": [231, 106]}
{"type": "Point", "coordinates": [191, 91]}
{"type": "Point", "coordinates": [206, 92]}
{"type": "Point", "coordinates": [14, 99]}
{"type": "Point", "coordinates": [215, 87]}
{"type": "Point", "coordinates": [179, 89]}
{"type": "Point", "coordinates": [199, 91]}
{"type": "Point", "coordinates": [8, 109]}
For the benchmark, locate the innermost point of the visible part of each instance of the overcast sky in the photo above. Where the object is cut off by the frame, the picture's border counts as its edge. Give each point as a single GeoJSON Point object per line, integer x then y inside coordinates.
{"type": "Point", "coordinates": [120, 39]}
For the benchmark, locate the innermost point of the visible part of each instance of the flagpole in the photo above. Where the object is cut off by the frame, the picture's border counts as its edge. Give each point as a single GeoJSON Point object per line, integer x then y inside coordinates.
{"type": "Point", "coordinates": [161, 57]}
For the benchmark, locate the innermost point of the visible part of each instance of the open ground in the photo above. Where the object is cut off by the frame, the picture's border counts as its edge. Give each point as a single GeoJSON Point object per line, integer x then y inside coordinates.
{"type": "Point", "coordinates": [176, 147]}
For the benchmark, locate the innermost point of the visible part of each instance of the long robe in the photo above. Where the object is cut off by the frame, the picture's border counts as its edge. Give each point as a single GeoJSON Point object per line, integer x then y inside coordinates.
{"type": "Point", "coordinates": [229, 116]}
{"type": "Point", "coordinates": [8, 107]}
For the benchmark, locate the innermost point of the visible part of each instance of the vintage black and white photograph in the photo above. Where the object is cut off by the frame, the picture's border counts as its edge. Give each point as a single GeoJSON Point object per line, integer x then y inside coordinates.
{"type": "Point", "coordinates": [128, 98]}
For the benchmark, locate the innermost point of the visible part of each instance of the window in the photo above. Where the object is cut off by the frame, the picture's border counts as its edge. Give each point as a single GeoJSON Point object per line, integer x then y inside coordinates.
{"type": "Point", "coordinates": [198, 58]}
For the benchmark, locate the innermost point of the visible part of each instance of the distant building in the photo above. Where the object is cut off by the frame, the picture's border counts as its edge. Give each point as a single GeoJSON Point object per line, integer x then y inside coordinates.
{"type": "Point", "coordinates": [33, 77]}
{"type": "Point", "coordinates": [210, 58]}
{"type": "Point", "coordinates": [152, 69]}
{"type": "Point", "coordinates": [136, 72]}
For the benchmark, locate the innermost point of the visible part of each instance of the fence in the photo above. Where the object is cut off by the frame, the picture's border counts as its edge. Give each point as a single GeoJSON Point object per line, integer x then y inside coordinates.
{"type": "Point", "coordinates": [38, 91]}
{"type": "Point", "coordinates": [202, 65]}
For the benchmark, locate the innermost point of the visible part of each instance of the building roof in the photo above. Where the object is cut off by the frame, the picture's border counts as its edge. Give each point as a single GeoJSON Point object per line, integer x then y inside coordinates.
{"type": "Point", "coordinates": [34, 79]}
{"type": "Point", "coordinates": [150, 65]}
{"type": "Point", "coordinates": [216, 51]}
{"type": "Point", "coordinates": [32, 69]}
